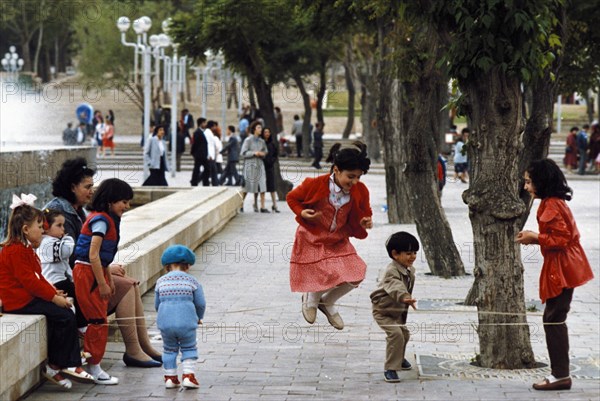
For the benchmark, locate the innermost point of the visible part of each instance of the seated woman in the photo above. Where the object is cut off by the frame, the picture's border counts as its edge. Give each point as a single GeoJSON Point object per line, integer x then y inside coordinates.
{"type": "Point", "coordinates": [73, 189]}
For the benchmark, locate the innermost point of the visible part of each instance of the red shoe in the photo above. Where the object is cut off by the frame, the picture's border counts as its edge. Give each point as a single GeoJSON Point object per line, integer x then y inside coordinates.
{"type": "Point", "coordinates": [189, 381]}
{"type": "Point", "coordinates": [171, 381]}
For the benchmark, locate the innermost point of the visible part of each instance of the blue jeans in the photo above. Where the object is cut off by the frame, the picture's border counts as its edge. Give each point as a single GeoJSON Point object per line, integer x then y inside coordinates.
{"type": "Point", "coordinates": [175, 340]}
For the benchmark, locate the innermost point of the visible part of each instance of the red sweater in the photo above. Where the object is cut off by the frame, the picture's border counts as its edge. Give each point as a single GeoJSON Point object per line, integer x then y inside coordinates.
{"type": "Point", "coordinates": [313, 190]}
{"type": "Point", "coordinates": [21, 277]}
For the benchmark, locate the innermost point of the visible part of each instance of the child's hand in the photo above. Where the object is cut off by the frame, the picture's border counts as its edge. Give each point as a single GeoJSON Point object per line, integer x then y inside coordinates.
{"type": "Point", "coordinates": [366, 222]}
{"type": "Point", "coordinates": [61, 301]}
{"type": "Point", "coordinates": [117, 269]}
{"type": "Point", "coordinates": [61, 293]}
{"type": "Point", "coordinates": [527, 237]}
{"type": "Point", "coordinates": [105, 290]}
{"type": "Point", "coordinates": [310, 215]}
{"type": "Point", "coordinates": [410, 301]}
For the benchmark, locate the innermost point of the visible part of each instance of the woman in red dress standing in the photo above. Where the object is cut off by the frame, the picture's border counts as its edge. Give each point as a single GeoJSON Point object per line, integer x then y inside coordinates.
{"type": "Point", "coordinates": [570, 159]}
{"type": "Point", "coordinates": [330, 209]}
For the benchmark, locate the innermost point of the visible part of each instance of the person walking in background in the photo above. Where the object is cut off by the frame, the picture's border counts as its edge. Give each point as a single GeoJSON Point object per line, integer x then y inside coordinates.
{"type": "Point", "coordinates": [218, 156]}
{"type": "Point", "coordinates": [297, 133]}
{"type": "Point", "coordinates": [441, 173]}
{"type": "Point", "coordinates": [209, 174]}
{"type": "Point", "coordinates": [99, 135]}
{"type": "Point", "coordinates": [232, 150]}
{"type": "Point", "coordinates": [179, 301]}
{"type": "Point", "coordinates": [270, 160]}
{"type": "Point", "coordinates": [330, 209]}
{"type": "Point", "coordinates": [318, 145]}
{"type": "Point", "coordinates": [199, 152]}
{"type": "Point", "coordinates": [69, 135]}
{"type": "Point", "coordinates": [460, 160]}
{"type": "Point", "coordinates": [391, 299]}
{"type": "Point", "coordinates": [108, 137]}
{"type": "Point", "coordinates": [565, 265]}
{"type": "Point", "coordinates": [254, 150]}
{"type": "Point", "coordinates": [279, 120]}
{"type": "Point", "coordinates": [594, 148]}
{"type": "Point", "coordinates": [183, 132]}
{"type": "Point", "coordinates": [582, 145]}
{"type": "Point", "coordinates": [570, 159]}
{"type": "Point", "coordinates": [155, 159]}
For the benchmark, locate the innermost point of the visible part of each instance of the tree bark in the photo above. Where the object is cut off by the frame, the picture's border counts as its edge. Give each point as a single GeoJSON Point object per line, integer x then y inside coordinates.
{"type": "Point", "coordinates": [493, 108]}
{"type": "Point", "coordinates": [321, 90]}
{"type": "Point", "coordinates": [38, 49]}
{"type": "Point", "coordinates": [390, 122]}
{"type": "Point", "coordinates": [307, 114]}
{"type": "Point", "coordinates": [349, 76]}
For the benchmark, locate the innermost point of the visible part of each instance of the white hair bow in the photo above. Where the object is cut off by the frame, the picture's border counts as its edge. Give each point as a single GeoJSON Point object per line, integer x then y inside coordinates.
{"type": "Point", "coordinates": [23, 200]}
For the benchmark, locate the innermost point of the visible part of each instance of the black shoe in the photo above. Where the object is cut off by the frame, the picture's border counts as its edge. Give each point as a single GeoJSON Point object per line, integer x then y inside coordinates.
{"type": "Point", "coordinates": [157, 358]}
{"type": "Point", "coordinates": [263, 210]}
{"type": "Point", "coordinates": [255, 208]}
{"type": "Point", "coordinates": [275, 210]}
{"type": "Point", "coordinates": [406, 365]}
{"type": "Point", "coordinates": [391, 376]}
{"type": "Point", "coordinates": [129, 361]}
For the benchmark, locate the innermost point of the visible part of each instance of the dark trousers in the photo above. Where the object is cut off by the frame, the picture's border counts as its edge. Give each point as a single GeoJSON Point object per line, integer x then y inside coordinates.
{"type": "Point", "coordinates": [63, 340]}
{"type": "Point", "coordinates": [582, 159]}
{"type": "Point", "coordinates": [209, 174]}
{"type": "Point", "coordinates": [196, 176]}
{"type": "Point", "coordinates": [69, 288]}
{"type": "Point", "coordinates": [557, 335]}
{"type": "Point", "coordinates": [299, 145]}
{"type": "Point", "coordinates": [318, 157]}
{"type": "Point", "coordinates": [230, 172]}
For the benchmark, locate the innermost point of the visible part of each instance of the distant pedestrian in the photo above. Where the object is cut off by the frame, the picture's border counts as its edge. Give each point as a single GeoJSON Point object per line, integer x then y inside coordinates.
{"type": "Point", "coordinates": [330, 209]}
{"type": "Point", "coordinates": [69, 136]}
{"type": "Point", "coordinates": [461, 166]}
{"type": "Point", "coordinates": [594, 147]}
{"type": "Point", "coordinates": [565, 264]}
{"type": "Point", "coordinates": [582, 145]}
{"type": "Point", "coordinates": [570, 160]}
{"type": "Point", "coordinates": [155, 158]}
{"type": "Point", "coordinates": [441, 173]}
{"type": "Point", "coordinates": [270, 160]}
{"type": "Point", "coordinates": [318, 145]}
{"type": "Point", "coordinates": [297, 133]}
{"type": "Point", "coordinates": [179, 301]}
{"type": "Point", "coordinates": [232, 150]}
{"type": "Point", "coordinates": [108, 137]}
{"type": "Point", "coordinates": [392, 298]}
{"type": "Point", "coordinates": [254, 150]}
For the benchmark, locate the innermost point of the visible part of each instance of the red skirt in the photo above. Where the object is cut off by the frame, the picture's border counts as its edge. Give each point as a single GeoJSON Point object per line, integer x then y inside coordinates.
{"type": "Point", "coordinates": [323, 261]}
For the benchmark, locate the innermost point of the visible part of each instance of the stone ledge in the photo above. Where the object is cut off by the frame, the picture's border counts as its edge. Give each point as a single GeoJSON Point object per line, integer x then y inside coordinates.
{"type": "Point", "coordinates": [23, 350]}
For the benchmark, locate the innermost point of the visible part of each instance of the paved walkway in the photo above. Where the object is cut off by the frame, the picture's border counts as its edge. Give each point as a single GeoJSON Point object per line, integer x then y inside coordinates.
{"type": "Point", "coordinates": [255, 345]}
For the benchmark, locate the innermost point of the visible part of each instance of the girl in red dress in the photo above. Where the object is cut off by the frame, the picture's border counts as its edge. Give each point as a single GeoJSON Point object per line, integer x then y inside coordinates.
{"type": "Point", "coordinates": [330, 209]}
{"type": "Point", "coordinates": [565, 264]}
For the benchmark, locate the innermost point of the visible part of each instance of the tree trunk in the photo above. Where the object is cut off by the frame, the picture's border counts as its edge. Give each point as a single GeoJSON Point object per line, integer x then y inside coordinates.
{"type": "Point", "coordinates": [307, 115]}
{"type": "Point", "coordinates": [321, 90]}
{"type": "Point", "coordinates": [265, 104]}
{"type": "Point", "coordinates": [38, 49]}
{"type": "Point", "coordinates": [493, 108]}
{"type": "Point", "coordinates": [348, 74]}
{"type": "Point", "coordinates": [390, 122]}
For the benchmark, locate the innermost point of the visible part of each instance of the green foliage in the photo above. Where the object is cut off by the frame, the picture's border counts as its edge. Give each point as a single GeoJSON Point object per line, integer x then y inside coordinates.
{"type": "Point", "coordinates": [580, 68]}
{"type": "Point", "coordinates": [515, 36]}
{"type": "Point", "coordinates": [102, 57]}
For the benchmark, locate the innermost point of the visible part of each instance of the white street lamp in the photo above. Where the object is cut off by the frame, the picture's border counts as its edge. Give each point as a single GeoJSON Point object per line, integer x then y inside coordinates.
{"type": "Point", "coordinates": [12, 64]}
{"type": "Point", "coordinates": [141, 27]}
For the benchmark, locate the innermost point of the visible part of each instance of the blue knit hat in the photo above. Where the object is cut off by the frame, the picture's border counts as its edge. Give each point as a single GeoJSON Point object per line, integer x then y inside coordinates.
{"type": "Point", "coordinates": [178, 254]}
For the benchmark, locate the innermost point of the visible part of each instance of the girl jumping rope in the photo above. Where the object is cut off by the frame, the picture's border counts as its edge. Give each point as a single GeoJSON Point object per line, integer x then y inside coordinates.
{"type": "Point", "coordinates": [330, 209]}
{"type": "Point", "coordinates": [565, 264]}
{"type": "Point", "coordinates": [96, 248]}
{"type": "Point", "coordinates": [25, 291]}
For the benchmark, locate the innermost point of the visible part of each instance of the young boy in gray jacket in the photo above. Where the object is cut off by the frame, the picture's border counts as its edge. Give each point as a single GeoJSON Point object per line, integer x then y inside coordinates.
{"type": "Point", "coordinates": [392, 298]}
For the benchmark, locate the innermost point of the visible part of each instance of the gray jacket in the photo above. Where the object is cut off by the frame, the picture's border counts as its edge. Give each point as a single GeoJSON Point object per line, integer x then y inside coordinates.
{"type": "Point", "coordinates": [152, 154]}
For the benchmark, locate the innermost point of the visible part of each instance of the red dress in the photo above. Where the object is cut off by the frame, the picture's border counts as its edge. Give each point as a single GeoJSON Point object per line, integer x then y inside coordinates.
{"type": "Point", "coordinates": [571, 156]}
{"type": "Point", "coordinates": [565, 264]}
{"type": "Point", "coordinates": [322, 259]}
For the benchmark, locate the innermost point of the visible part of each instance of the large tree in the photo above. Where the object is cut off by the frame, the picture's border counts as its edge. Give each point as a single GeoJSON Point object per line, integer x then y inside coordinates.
{"type": "Point", "coordinates": [494, 47]}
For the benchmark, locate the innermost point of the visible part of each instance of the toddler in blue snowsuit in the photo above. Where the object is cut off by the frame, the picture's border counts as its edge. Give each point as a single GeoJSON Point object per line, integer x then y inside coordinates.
{"type": "Point", "coordinates": [179, 300]}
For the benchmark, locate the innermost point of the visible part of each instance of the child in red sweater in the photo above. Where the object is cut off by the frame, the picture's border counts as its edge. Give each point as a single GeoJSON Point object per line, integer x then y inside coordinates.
{"type": "Point", "coordinates": [330, 209]}
{"type": "Point", "coordinates": [25, 291]}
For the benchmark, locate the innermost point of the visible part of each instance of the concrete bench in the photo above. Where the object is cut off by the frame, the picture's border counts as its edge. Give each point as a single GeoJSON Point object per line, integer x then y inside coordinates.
{"type": "Point", "coordinates": [186, 216]}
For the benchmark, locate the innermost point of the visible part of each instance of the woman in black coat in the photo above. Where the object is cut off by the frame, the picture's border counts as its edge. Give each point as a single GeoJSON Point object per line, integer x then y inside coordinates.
{"type": "Point", "coordinates": [269, 160]}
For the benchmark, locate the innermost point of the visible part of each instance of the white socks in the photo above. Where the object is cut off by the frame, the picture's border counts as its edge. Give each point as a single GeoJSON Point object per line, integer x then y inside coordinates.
{"type": "Point", "coordinates": [331, 296]}
{"type": "Point", "coordinates": [170, 372]}
{"type": "Point", "coordinates": [189, 366]}
{"type": "Point", "coordinates": [313, 299]}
